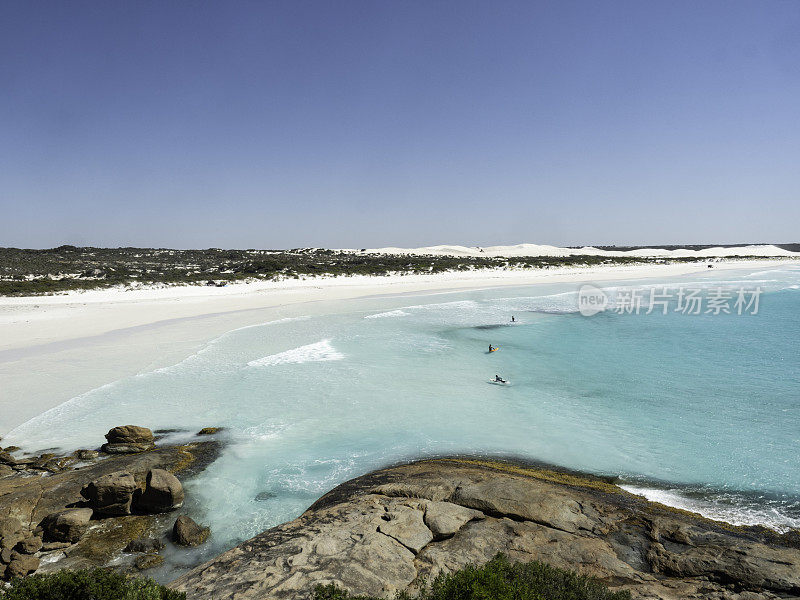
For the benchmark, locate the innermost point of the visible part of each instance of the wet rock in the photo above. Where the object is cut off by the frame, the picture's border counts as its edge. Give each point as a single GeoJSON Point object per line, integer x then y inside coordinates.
{"type": "Point", "coordinates": [67, 525]}
{"type": "Point", "coordinates": [128, 439]}
{"type": "Point", "coordinates": [126, 448]}
{"type": "Point", "coordinates": [209, 430]}
{"type": "Point", "coordinates": [86, 454]}
{"type": "Point", "coordinates": [163, 492]}
{"type": "Point", "coordinates": [444, 519]}
{"type": "Point", "coordinates": [148, 561]}
{"type": "Point", "coordinates": [186, 532]}
{"type": "Point", "coordinates": [39, 462]}
{"type": "Point", "coordinates": [148, 545]}
{"type": "Point", "coordinates": [5, 471]}
{"type": "Point", "coordinates": [52, 463]}
{"type": "Point", "coordinates": [21, 565]}
{"type": "Point", "coordinates": [7, 459]}
{"type": "Point", "coordinates": [29, 545]}
{"type": "Point", "coordinates": [112, 494]}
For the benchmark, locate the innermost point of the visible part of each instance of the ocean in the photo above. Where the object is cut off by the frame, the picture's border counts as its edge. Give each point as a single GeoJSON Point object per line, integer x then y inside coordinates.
{"type": "Point", "coordinates": [699, 411]}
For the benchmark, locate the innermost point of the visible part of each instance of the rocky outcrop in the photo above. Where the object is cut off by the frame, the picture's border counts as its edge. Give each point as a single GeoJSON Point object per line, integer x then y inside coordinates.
{"type": "Point", "coordinates": [186, 532]}
{"type": "Point", "coordinates": [85, 513]}
{"type": "Point", "coordinates": [128, 439]}
{"type": "Point", "coordinates": [393, 529]}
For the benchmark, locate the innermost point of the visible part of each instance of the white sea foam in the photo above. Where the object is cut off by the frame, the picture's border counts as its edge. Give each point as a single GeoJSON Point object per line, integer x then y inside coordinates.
{"type": "Point", "coordinates": [736, 513]}
{"type": "Point", "coordinates": [389, 314]}
{"type": "Point", "coordinates": [318, 352]}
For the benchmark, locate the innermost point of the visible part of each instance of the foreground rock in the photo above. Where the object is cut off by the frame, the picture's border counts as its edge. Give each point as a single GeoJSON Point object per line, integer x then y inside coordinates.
{"type": "Point", "coordinates": [84, 515]}
{"type": "Point", "coordinates": [392, 529]}
{"type": "Point", "coordinates": [21, 565]}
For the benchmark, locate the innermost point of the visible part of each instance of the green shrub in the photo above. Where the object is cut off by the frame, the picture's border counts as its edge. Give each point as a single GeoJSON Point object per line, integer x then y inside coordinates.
{"type": "Point", "coordinates": [501, 579]}
{"type": "Point", "coordinates": [66, 268]}
{"type": "Point", "coordinates": [95, 584]}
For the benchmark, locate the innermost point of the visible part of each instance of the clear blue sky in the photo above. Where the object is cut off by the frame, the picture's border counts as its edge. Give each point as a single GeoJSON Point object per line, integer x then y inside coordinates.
{"type": "Point", "coordinates": [351, 124]}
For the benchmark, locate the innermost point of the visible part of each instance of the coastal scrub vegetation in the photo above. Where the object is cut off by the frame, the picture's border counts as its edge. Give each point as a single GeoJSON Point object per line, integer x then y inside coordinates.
{"type": "Point", "coordinates": [87, 584]}
{"type": "Point", "coordinates": [36, 272]}
{"type": "Point", "coordinates": [500, 579]}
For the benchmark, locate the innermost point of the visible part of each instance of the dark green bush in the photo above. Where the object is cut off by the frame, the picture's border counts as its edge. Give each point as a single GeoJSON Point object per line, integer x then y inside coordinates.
{"type": "Point", "coordinates": [95, 584]}
{"type": "Point", "coordinates": [501, 579]}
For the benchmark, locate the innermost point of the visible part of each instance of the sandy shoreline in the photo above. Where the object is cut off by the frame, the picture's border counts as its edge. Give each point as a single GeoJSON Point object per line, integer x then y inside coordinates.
{"type": "Point", "coordinates": [53, 348]}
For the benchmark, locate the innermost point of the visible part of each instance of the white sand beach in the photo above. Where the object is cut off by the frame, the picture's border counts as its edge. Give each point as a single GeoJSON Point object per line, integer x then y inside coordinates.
{"type": "Point", "coordinates": [53, 348]}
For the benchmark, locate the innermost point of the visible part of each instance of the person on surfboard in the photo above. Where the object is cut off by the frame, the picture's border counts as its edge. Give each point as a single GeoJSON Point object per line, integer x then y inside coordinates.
{"type": "Point", "coordinates": [491, 348]}
{"type": "Point", "coordinates": [499, 379]}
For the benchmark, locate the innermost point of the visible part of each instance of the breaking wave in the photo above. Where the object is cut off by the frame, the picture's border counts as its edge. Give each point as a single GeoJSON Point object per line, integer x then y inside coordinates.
{"type": "Point", "coordinates": [321, 351]}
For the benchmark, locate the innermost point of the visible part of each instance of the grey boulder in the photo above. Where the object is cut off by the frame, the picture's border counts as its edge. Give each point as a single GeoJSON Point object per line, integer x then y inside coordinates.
{"type": "Point", "coordinates": [111, 495]}
{"type": "Point", "coordinates": [188, 533]}
{"type": "Point", "coordinates": [162, 493]}
{"type": "Point", "coordinates": [29, 545]}
{"type": "Point", "coordinates": [21, 565]}
{"type": "Point", "coordinates": [128, 439]}
{"type": "Point", "coordinates": [66, 525]}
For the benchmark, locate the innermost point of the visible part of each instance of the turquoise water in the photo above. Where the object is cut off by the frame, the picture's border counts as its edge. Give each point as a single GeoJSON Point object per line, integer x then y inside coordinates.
{"type": "Point", "coordinates": [699, 411]}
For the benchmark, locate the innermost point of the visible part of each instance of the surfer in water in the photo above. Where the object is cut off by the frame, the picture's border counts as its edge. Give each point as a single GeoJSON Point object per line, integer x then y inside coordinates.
{"type": "Point", "coordinates": [513, 320]}
{"type": "Point", "coordinates": [499, 379]}
{"type": "Point", "coordinates": [491, 348]}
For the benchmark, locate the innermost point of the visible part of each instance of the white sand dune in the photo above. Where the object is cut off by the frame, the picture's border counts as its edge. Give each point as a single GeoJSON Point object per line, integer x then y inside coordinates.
{"type": "Point", "coordinates": [765, 250]}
